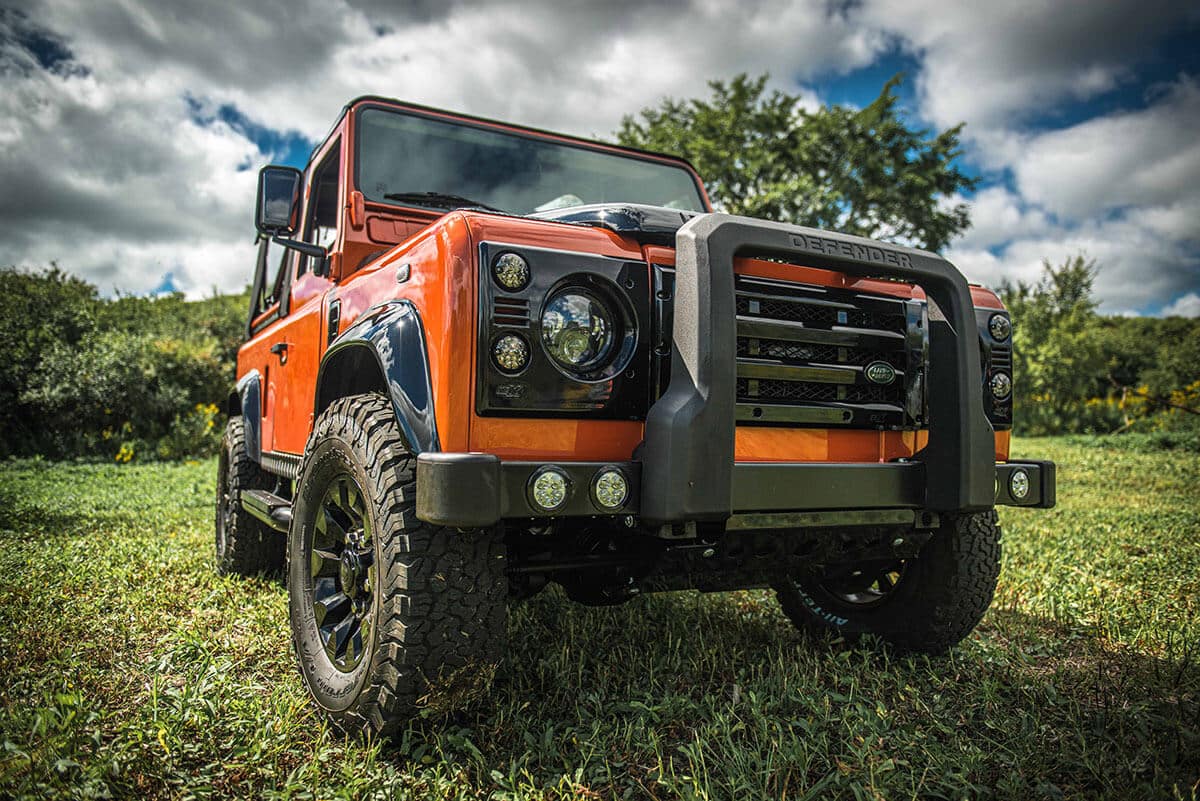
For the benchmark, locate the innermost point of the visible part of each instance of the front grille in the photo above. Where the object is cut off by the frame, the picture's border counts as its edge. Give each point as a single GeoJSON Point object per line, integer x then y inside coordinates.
{"type": "Point", "coordinates": [817, 315]}
{"type": "Point", "coordinates": [776, 391]}
{"type": "Point", "coordinates": [803, 354]}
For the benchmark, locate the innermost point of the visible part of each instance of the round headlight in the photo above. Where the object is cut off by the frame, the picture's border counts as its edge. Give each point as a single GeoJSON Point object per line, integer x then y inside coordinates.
{"type": "Point", "coordinates": [1000, 327]}
{"type": "Point", "coordinates": [1018, 484]}
{"type": "Point", "coordinates": [510, 353]}
{"type": "Point", "coordinates": [577, 330]}
{"type": "Point", "coordinates": [1001, 386]}
{"type": "Point", "coordinates": [610, 489]}
{"type": "Point", "coordinates": [548, 488]}
{"type": "Point", "coordinates": [511, 271]}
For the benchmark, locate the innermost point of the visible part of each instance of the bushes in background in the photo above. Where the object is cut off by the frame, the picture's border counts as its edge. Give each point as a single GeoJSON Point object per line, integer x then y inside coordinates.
{"type": "Point", "coordinates": [1080, 372]}
{"type": "Point", "coordinates": [126, 378]}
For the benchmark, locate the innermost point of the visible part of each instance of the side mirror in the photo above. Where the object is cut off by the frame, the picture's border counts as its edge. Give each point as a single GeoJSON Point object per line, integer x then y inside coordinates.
{"type": "Point", "coordinates": [278, 200]}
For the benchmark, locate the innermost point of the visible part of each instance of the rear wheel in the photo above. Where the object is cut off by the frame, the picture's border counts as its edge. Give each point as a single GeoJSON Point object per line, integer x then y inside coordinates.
{"type": "Point", "coordinates": [388, 613]}
{"type": "Point", "coordinates": [244, 545]}
{"type": "Point", "coordinates": [927, 604]}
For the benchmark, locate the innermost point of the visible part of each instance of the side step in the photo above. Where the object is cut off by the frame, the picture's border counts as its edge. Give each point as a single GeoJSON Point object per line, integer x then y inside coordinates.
{"type": "Point", "coordinates": [270, 509]}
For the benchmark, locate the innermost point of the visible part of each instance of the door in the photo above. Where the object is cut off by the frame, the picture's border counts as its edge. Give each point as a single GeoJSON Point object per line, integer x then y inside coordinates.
{"type": "Point", "coordinates": [301, 340]}
{"type": "Point", "coordinates": [268, 304]}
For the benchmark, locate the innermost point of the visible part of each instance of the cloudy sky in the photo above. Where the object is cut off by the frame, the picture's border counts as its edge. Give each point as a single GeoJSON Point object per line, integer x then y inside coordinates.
{"type": "Point", "coordinates": [130, 130]}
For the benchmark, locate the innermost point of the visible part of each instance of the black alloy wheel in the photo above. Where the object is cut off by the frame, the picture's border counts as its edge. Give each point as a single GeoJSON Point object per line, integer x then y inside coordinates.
{"type": "Point", "coordinates": [927, 604]}
{"type": "Point", "coordinates": [389, 614]}
{"type": "Point", "coordinates": [342, 579]}
{"type": "Point", "coordinates": [864, 584]}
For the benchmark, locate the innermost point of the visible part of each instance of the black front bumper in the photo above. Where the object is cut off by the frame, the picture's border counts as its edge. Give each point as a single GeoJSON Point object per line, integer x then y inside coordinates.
{"type": "Point", "coordinates": [469, 490]}
{"type": "Point", "coordinates": [684, 470]}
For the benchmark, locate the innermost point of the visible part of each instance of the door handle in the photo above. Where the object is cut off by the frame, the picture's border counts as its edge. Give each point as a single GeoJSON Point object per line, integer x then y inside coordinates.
{"type": "Point", "coordinates": [280, 350]}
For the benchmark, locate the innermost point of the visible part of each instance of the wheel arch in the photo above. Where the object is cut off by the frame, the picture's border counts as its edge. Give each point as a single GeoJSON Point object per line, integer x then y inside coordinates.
{"type": "Point", "coordinates": [384, 351]}
{"type": "Point", "coordinates": [246, 402]}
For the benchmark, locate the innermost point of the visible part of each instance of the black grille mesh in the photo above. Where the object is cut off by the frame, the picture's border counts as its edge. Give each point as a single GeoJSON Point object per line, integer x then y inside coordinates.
{"type": "Point", "coordinates": [798, 311]}
{"type": "Point", "coordinates": [775, 391]}
{"type": "Point", "coordinates": [805, 353]}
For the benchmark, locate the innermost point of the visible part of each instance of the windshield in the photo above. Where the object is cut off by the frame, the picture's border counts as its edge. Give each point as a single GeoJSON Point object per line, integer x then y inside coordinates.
{"type": "Point", "coordinates": [451, 164]}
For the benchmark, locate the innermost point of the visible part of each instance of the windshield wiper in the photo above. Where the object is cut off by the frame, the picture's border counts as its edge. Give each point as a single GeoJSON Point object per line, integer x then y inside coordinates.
{"type": "Point", "coordinates": [440, 200]}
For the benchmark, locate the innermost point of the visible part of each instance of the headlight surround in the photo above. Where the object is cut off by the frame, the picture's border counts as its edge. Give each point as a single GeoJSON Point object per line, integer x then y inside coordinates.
{"type": "Point", "coordinates": [582, 333]}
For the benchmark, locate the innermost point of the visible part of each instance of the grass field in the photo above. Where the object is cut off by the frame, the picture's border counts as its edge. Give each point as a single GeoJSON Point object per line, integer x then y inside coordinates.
{"type": "Point", "coordinates": [128, 669]}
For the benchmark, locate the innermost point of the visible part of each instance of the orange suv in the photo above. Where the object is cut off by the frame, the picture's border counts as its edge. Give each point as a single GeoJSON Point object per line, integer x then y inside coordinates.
{"type": "Point", "coordinates": [481, 358]}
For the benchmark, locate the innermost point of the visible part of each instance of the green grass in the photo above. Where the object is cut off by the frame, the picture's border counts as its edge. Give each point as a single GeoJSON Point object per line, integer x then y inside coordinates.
{"type": "Point", "coordinates": [128, 669]}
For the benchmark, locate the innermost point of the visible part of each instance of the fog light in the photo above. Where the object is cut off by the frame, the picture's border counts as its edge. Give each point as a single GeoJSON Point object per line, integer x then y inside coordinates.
{"type": "Point", "coordinates": [511, 271]}
{"type": "Point", "coordinates": [510, 353]}
{"type": "Point", "coordinates": [610, 489]}
{"type": "Point", "coordinates": [548, 488]}
{"type": "Point", "coordinates": [1018, 484]}
{"type": "Point", "coordinates": [1001, 386]}
{"type": "Point", "coordinates": [1000, 327]}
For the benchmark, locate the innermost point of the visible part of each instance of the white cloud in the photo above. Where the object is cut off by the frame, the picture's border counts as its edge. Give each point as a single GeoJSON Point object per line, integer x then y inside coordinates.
{"type": "Point", "coordinates": [993, 64]}
{"type": "Point", "coordinates": [1185, 306]}
{"type": "Point", "coordinates": [111, 173]}
{"type": "Point", "coordinates": [1149, 157]}
{"type": "Point", "coordinates": [119, 182]}
{"type": "Point", "coordinates": [999, 216]}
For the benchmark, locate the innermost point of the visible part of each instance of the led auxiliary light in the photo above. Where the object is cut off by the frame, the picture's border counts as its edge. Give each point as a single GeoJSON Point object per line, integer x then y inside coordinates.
{"type": "Point", "coordinates": [511, 271]}
{"type": "Point", "coordinates": [548, 489]}
{"type": "Point", "coordinates": [1001, 386]}
{"type": "Point", "coordinates": [510, 353]}
{"type": "Point", "coordinates": [610, 489]}
{"type": "Point", "coordinates": [1018, 484]}
{"type": "Point", "coordinates": [1000, 327]}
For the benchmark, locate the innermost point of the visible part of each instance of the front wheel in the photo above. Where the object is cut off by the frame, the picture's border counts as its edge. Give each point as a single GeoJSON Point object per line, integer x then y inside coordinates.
{"type": "Point", "coordinates": [388, 613]}
{"type": "Point", "coordinates": [927, 604]}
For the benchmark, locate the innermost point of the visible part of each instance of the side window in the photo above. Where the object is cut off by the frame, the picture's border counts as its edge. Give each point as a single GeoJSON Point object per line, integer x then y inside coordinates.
{"type": "Point", "coordinates": [321, 227]}
{"type": "Point", "coordinates": [268, 281]}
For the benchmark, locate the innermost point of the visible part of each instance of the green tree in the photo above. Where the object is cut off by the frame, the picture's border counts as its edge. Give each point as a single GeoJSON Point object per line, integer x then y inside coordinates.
{"type": "Point", "coordinates": [764, 155]}
{"type": "Point", "coordinates": [37, 311]}
{"type": "Point", "coordinates": [1058, 360]}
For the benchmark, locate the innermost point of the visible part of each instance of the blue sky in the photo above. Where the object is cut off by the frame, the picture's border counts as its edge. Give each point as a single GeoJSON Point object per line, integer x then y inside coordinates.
{"type": "Point", "coordinates": [131, 132]}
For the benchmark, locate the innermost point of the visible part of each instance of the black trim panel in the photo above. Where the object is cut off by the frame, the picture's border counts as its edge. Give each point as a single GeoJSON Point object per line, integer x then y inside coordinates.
{"type": "Point", "coordinates": [542, 389]}
{"type": "Point", "coordinates": [249, 389]}
{"type": "Point", "coordinates": [390, 340]}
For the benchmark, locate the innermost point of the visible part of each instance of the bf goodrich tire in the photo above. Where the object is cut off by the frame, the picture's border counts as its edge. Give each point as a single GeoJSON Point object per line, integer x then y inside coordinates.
{"type": "Point", "coordinates": [245, 546]}
{"type": "Point", "coordinates": [927, 604]}
{"type": "Point", "coordinates": [388, 613]}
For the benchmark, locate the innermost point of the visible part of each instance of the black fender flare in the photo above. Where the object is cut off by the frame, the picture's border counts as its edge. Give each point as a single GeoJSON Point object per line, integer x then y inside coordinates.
{"type": "Point", "coordinates": [247, 401]}
{"type": "Point", "coordinates": [384, 351]}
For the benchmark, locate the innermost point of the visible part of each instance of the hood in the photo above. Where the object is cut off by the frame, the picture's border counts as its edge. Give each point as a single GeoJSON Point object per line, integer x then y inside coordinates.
{"type": "Point", "coordinates": [648, 225]}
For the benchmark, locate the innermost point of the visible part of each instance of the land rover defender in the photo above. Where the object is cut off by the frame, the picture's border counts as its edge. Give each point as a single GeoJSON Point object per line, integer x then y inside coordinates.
{"type": "Point", "coordinates": [482, 358]}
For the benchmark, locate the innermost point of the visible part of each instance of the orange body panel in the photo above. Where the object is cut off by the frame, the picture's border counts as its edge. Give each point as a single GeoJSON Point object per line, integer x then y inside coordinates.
{"type": "Point", "coordinates": [439, 252]}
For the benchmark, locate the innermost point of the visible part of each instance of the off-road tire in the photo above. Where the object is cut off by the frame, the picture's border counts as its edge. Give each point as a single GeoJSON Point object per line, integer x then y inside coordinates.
{"type": "Point", "coordinates": [245, 547]}
{"type": "Point", "coordinates": [437, 595]}
{"type": "Point", "coordinates": [941, 596]}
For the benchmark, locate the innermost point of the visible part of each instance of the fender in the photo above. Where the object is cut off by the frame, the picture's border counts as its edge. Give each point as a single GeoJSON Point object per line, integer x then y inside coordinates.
{"type": "Point", "coordinates": [384, 351]}
{"type": "Point", "coordinates": [247, 401]}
